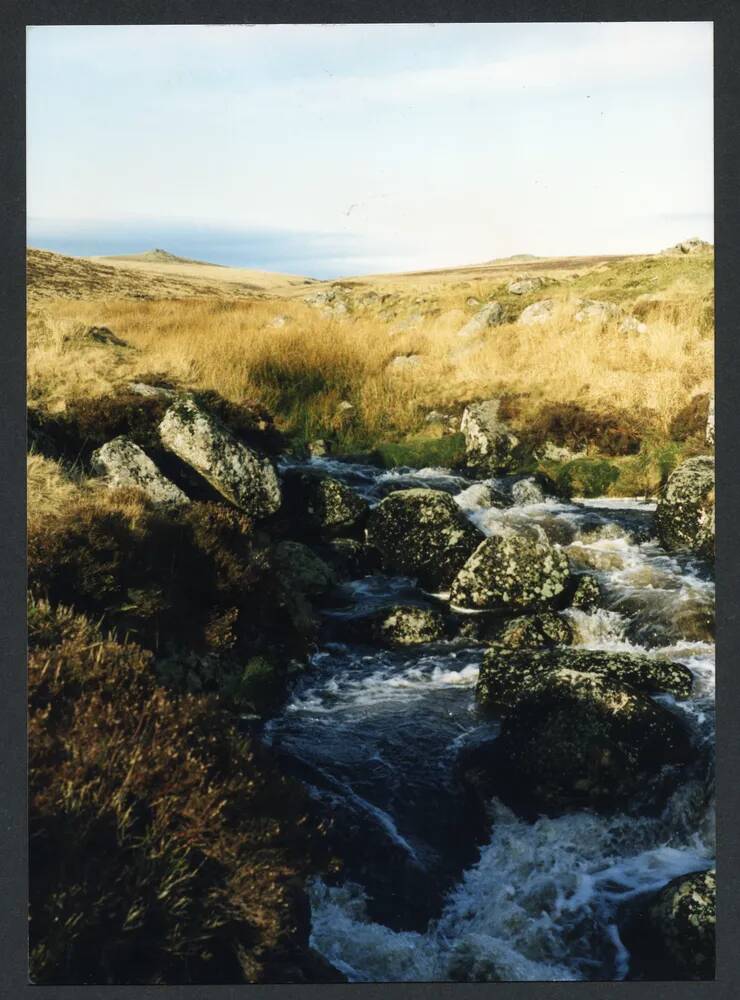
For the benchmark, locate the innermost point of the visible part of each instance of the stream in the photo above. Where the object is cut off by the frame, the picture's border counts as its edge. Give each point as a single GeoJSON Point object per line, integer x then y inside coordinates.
{"type": "Point", "coordinates": [426, 894]}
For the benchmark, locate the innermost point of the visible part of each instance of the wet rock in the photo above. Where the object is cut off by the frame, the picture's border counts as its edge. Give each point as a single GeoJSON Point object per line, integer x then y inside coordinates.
{"type": "Point", "coordinates": [524, 286]}
{"type": "Point", "coordinates": [489, 446]}
{"type": "Point", "coordinates": [241, 475]}
{"type": "Point", "coordinates": [302, 570]}
{"type": "Point", "coordinates": [527, 491]}
{"type": "Point", "coordinates": [536, 631]}
{"type": "Point", "coordinates": [511, 571]}
{"type": "Point", "coordinates": [349, 558]}
{"type": "Point", "coordinates": [124, 463]}
{"type": "Point", "coordinates": [422, 533]}
{"type": "Point", "coordinates": [591, 309]}
{"type": "Point", "coordinates": [582, 740]}
{"type": "Point", "coordinates": [397, 626]}
{"type": "Point", "coordinates": [507, 675]}
{"type": "Point", "coordinates": [322, 506]}
{"type": "Point", "coordinates": [684, 518]}
{"type": "Point", "coordinates": [676, 928]}
{"type": "Point", "coordinates": [538, 312]}
{"type": "Point", "coordinates": [490, 315]}
{"type": "Point", "coordinates": [587, 594]}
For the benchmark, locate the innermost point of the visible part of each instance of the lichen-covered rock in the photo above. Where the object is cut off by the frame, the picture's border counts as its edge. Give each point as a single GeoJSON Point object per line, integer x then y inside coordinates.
{"type": "Point", "coordinates": [684, 517]}
{"type": "Point", "coordinates": [538, 312]}
{"type": "Point", "coordinates": [506, 674]}
{"type": "Point", "coordinates": [587, 594]}
{"type": "Point", "coordinates": [322, 506]}
{"type": "Point", "coordinates": [583, 740]}
{"type": "Point", "coordinates": [683, 917]}
{"type": "Point", "coordinates": [590, 309]}
{"type": "Point", "coordinates": [124, 463]}
{"type": "Point", "coordinates": [523, 286]}
{"type": "Point", "coordinates": [536, 631]}
{"type": "Point", "coordinates": [527, 491]}
{"type": "Point", "coordinates": [511, 571]}
{"type": "Point", "coordinates": [302, 570]}
{"type": "Point", "coordinates": [422, 533]}
{"type": "Point", "coordinates": [243, 477]}
{"type": "Point", "coordinates": [489, 446]}
{"type": "Point", "coordinates": [348, 557]}
{"type": "Point", "coordinates": [490, 315]}
{"type": "Point", "coordinates": [397, 626]}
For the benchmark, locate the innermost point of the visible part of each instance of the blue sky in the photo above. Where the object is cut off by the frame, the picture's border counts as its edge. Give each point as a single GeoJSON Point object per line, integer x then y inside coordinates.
{"type": "Point", "coordinates": [327, 150]}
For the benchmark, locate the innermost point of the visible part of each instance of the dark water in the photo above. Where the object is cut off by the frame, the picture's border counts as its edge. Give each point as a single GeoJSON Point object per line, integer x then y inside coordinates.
{"type": "Point", "coordinates": [376, 734]}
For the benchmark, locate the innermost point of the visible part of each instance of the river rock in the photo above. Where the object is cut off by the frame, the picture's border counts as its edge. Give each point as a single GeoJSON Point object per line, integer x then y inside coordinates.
{"type": "Point", "coordinates": [321, 505]}
{"type": "Point", "coordinates": [507, 675]}
{"type": "Point", "coordinates": [526, 491]}
{"type": "Point", "coordinates": [523, 286]}
{"type": "Point", "coordinates": [398, 626]}
{"type": "Point", "coordinates": [422, 533]}
{"type": "Point", "coordinates": [489, 446]}
{"type": "Point", "coordinates": [684, 517]}
{"type": "Point", "coordinates": [538, 312]}
{"type": "Point", "coordinates": [124, 463]}
{"type": "Point", "coordinates": [587, 594]}
{"type": "Point", "coordinates": [681, 921]}
{"type": "Point", "coordinates": [302, 570]}
{"type": "Point", "coordinates": [590, 309]}
{"type": "Point", "coordinates": [536, 631]}
{"type": "Point", "coordinates": [241, 475]}
{"type": "Point", "coordinates": [490, 315]}
{"type": "Point", "coordinates": [582, 740]}
{"type": "Point", "coordinates": [511, 571]}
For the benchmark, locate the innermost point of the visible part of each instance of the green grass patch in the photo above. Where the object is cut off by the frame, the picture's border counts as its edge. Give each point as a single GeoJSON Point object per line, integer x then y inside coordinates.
{"type": "Point", "coordinates": [421, 452]}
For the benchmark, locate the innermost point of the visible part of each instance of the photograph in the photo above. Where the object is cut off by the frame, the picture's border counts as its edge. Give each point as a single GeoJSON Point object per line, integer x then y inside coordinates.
{"type": "Point", "coordinates": [371, 503]}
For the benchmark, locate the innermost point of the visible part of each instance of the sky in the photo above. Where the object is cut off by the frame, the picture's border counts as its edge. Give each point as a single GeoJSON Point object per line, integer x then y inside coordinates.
{"type": "Point", "coordinates": [331, 150]}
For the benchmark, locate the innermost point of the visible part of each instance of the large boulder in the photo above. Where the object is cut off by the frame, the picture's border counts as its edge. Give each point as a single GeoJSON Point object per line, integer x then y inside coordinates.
{"type": "Point", "coordinates": [322, 506]}
{"type": "Point", "coordinates": [422, 533]}
{"type": "Point", "coordinates": [239, 474]}
{"type": "Point", "coordinates": [579, 740]}
{"type": "Point", "coordinates": [507, 675]}
{"type": "Point", "coordinates": [124, 463]}
{"type": "Point", "coordinates": [523, 286]}
{"type": "Point", "coordinates": [684, 517]}
{"type": "Point", "coordinates": [673, 932]}
{"type": "Point", "coordinates": [512, 571]}
{"type": "Point", "coordinates": [490, 315]}
{"type": "Point", "coordinates": [489, 446]}
{"type": "Point", "coordinates": [396, 626]}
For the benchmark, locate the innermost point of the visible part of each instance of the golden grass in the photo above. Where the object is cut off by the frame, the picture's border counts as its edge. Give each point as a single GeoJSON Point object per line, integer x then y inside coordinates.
{"type": "Point", "coordinates": [51, 488]}
{"type": "Point", "coordinates": [305, 368]}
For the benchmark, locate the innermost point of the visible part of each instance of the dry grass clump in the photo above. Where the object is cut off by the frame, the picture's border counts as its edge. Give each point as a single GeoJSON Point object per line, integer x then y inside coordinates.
{"type": "Point", "coordinates": [51, 487]}
{"type": "Point", "coordinates": [164, 848]}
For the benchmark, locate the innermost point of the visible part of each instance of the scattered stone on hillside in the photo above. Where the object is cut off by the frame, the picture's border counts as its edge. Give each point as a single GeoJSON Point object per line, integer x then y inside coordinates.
{"type": "Point", "coordinates": [684, 517]}
{"type": "Point", "coordinates": [683, 918]}
{"type": "Point", "coordinates": [435, 417]}
{"type": "Point", "coordinates": [422, 533]}
{"type": "Point", "coordinates": [690, 246]}
{"type": "Point", "coordinates": [580, 739]}
{"type": "Point", "coordinates": [302, 570]}
{"type": "Point", "coordinates": [398, 626]}
{"type": "Point", "coordinates": [591, 309]}
{"type": "Point", "coordinates": [507, 674]}
{"type": "Point", "coordinates": [489, 446]}
{"type": "Point", "coordinates": [403, 362]}
{"type": "Point", "coordinates": [538, 312]}
{"type": "Point", "coordinates": [278, 322]}
{"type": "Point", "coordinates": [490, 315]}
{"type": "Point", "coordinates": [406, 323]}
{"type": "Point", "coordinates": [631, 324]}
{"type": "Point", "coordinates": [151, 391]}
{"type": "Point", "coordinates": [319, 448]}
{"type": "Point", "coordinates": [559, 453]}
{"type": "Point", "coordinates": [472, 301]}
{"type": "Point", "coordinates": [241, 475]}
{"type": "Point", "coordinates": [709, 433]}
{"type": "Point", "coordinates": [322, 506]}
{"type": "Point", "coordinates": [523, 286]}
{"type": "Point", "coordinates": [102, 335]}
{"type": "Point", "coordinates": [511, 571]}
{"type": "Point", "coordinates": [587, 594]}
{"type": "Point", "coordinates": [124, 463]}
{"type": "Point", "coordinates": [536, 631]}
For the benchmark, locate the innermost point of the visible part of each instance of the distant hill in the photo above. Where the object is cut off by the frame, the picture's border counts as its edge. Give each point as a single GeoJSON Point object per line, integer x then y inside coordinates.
{"type": "Point", "coordinates": [156, 256]}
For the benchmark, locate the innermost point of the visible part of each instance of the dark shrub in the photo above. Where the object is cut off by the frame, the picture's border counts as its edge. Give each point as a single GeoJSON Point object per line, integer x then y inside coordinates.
{"type": "Point", "coordinates": [691, 419]}
{"type": "Point", "coordinates": [587, 477]}
{"type": "Point", "coordinates": [570, 425]}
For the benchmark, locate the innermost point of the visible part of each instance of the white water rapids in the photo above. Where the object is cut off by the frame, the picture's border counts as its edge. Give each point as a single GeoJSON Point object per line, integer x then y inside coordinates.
{"type": "Point", "coordinates": [379, 733]}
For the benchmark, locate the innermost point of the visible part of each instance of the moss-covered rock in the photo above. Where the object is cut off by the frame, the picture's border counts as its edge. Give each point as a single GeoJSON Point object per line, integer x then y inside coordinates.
{"type": "Point", "coordinates": [511, 571]}
{"type": "Point", "coordinates": [681, 920]}
{"type": "Point", "coordinates": [587, 593]}
{"type": "Point", "coordinates": [507, 675]}
{"type": "Point", "coordinates": [302, 570]}
{"type": "Point", "coordinates": [322, 507]}
{"type": "Point", "coordinates": [577, 739]}
{"type": "Point", "coordinates": [536, 631]}
{"type": "Point", "coordinates": [422, 533]}
{"type": "Point", "coordinates": [397, 626]}
{"type": "Point", "coordinates": [685, 514]}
